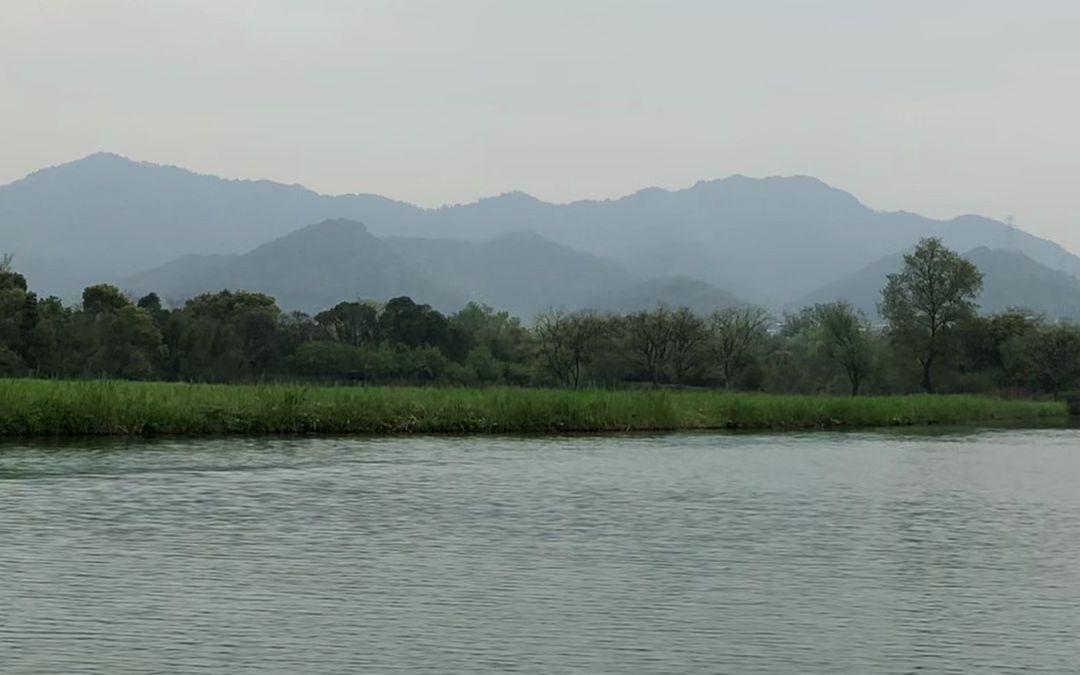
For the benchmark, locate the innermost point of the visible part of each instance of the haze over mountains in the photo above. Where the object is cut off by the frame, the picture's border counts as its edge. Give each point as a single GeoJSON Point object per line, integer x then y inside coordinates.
{"type": "Point", "coordinates": [739, 239]}
{"type": "Point", "coordinates": [1010, 280]}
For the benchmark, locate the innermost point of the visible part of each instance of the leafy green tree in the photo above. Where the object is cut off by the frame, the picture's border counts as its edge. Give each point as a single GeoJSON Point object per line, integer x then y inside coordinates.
{"type": "Point", "coordinates": [18, 318]}
{"type": "Point", "coordinates": [985, 341]}
{"type": "Point", "coordinates": [129, 344]}
{"type": "Point", "coordinates": [1048, 357]}
{"type": "Point", "coordinates": [927, 299]}
{"type": "Point", "coordinates": [103, 299]}
{"type": "Point", "coordinates": [354, 323]}
{"type": "Point", "coordinates": [845, 339]}
{"type": "Point", "coordinates": [122, 339]}
{"type": "Point", "coordinates": [405, 322]}
{"type": "Point", "coordinates": [57, 348]}
{"type": "Point", "coordinates": [13, 296]}
{"type": "Point", "coordinates": [227, 335]}
{"type": "Point", "coordinates": [501, 334]}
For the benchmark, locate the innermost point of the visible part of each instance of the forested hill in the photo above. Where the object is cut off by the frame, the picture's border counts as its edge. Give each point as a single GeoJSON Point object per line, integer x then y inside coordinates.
{"type": "Point", "coordinates": [310, 269]}
{"type": "Point", "coordinates": [694, 294]}
{"type": "Point", "coordinates": [1010, 280]}
{"type": "Point", "coordinates": [767, 240]}
{"type": "Point", "coordinates": [315, 267]}
{"type": "Point", "coordinates": [521, 272]}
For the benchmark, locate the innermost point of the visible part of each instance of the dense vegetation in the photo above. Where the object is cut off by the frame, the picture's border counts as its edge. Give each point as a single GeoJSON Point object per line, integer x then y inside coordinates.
{"type": "Point", "coordinates": [52, 407]}
{"type": "Point", "coordinates": [934, 341]}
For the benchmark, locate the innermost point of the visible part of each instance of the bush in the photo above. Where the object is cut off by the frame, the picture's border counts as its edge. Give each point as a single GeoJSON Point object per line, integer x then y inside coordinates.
{"type": "Point", "coordinates": [1072, 400]}
{"type": "Point", "coordinates": [10, 363]}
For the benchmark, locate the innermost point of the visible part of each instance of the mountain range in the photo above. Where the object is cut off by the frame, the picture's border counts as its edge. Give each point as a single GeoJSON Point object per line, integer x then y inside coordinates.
{"type": "Point", "coordinates": [729, 241]}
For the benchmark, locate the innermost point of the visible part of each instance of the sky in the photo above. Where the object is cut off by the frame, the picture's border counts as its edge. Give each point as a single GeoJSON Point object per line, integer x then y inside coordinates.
{"type": "Point", "coordinates": [941, 107]}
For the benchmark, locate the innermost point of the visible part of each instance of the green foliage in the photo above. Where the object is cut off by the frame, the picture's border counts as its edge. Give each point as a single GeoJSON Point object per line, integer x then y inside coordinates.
{"type": "Point", "coordinates": [10, 363]}
{"type": "Point", "coordinates": [352, 323]}
{"type": "Point", "coordinates": [240, 336]}
{"type": "Point", "coordinates": [844, 336]}
{"type": "Point", "coordinates": [924, 302]}
{"type": "Point", "coordinates": [54, 407]}
{"type": "Point", "coordinates": [103, 299]}
{"type": "Point", "coordinates": [1047, 358]}
{"type": "Point", "coordinates": [501, 334]}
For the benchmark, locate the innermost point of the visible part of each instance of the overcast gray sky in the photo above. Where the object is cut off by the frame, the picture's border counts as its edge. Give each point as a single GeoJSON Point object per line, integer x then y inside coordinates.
{"type": "Point", "coordinates": [936, 106]}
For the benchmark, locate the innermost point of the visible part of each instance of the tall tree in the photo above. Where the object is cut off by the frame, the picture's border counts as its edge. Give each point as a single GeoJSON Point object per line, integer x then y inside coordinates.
{"type": "Point", "coordinates": [18, 314]}
{"type": "Point", "coordinates": [1049, 357]}
{"type": "Point", "coordinates": [103, 299]}
{"type": "Point", "coordinates": [688, 336]}
{"type": "Point", "coordinates": [354, 323]}
{"type": "Point", "coordinates": [648, 338]}
{"type": "Point", "coordinates": [845, 339]}
{"type": "Point", "coordinates": [924, 302]}
{"type": "Point", "coordinates": [227, 335]}
{"type": "Point", "coordinates": [498, 332]}
{"type": "Point", "coordinates": [735, 333]}
{"type": "Point", "coordinates": [568, 342]}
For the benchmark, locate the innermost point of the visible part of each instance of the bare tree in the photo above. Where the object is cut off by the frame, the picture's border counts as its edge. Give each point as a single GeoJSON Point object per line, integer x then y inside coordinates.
{"type": "Point", "coordinates": [649, 339]}
{"type": "Point", "coordinates": [735, 333]}
{"type": "Point", "coordinates": [568, 342]}
{"type": "Point", "coordinates": [688, 336]}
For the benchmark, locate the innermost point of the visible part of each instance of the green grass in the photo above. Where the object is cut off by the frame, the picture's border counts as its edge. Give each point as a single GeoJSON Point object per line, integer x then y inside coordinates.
{"type": "Point", "coordinates": [63, 408]}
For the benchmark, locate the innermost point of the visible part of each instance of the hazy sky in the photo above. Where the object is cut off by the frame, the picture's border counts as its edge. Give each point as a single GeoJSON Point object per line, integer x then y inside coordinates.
{"type": "Point", "coordinates": [937, 106]}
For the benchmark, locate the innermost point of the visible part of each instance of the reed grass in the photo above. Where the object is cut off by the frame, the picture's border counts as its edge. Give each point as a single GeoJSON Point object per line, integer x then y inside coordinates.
{"type": "Point", "coordinates": [103, 407]}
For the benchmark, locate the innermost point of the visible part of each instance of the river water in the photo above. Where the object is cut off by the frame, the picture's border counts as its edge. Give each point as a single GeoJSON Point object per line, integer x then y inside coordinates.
{"type": "Point", "coordinates": [804, 553]}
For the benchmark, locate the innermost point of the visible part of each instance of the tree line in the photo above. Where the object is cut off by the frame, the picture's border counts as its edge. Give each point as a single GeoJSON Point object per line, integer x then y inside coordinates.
{"type": "Point", "coordinates": [932, 339]}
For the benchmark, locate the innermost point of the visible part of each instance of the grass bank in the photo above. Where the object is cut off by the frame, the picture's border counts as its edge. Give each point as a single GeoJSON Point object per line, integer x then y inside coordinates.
{"type": "Point", "coordinates": [62, 408]}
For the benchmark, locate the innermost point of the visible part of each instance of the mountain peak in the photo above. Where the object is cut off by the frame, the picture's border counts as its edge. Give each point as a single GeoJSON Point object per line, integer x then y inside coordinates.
{"type": "Point", "coordinates": [103, 156]}
{"type": "Point", "coordinates": [514, 197]}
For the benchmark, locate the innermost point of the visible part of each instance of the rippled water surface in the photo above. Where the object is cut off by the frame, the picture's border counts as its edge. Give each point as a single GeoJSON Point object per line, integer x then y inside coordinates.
{"type": "Point", "coordinates": [820, 553]}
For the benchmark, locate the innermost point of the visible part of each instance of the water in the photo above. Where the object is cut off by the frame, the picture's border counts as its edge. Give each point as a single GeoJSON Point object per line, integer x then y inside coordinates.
{"type": "Point", "coordinates": [815, 553]}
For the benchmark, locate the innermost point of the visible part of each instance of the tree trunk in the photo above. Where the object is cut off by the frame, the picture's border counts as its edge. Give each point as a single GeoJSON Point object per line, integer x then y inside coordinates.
{"type": "Point", "coordinates": [927, 382]}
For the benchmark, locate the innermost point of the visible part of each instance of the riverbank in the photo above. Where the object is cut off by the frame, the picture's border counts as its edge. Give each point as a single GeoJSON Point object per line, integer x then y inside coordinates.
{"type": "Point", "coordinates": [69, 408]}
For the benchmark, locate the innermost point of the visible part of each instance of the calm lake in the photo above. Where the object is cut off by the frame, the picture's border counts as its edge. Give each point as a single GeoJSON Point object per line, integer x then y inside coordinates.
{"type": "Point", "coordinates": [805, 553]}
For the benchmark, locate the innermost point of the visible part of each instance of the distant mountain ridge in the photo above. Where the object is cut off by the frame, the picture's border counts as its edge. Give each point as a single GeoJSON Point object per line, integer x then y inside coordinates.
{"type": "Point", "coordinates": [320, 265]}
{"type": "Point", "coordinates": [767, 240]}
{"type": "Point", "coordinates": [338, 260]}
{"type": "Point", "coordinates": [522, 272]}
{"type": "Point", "coordinates": [678, 291]}
{"type": "Point", "coordinates": [313, 268]}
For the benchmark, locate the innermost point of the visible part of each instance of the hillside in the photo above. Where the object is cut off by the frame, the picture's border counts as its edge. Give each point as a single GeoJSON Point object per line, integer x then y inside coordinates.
{"type": "Point", "coordinates": [768, 240]}
{"type": "Point", "coordinates": [311, 269]}
{"type": "Point", "coordinates": [1010, 279]}
{"type": "Point", "coordinates": [679, 291]}
{"type": "Point", "coordinates": [105, 217]}
{"type": "Point", "coordinates": [320, 265]}
{"type": "Point", "coordinates": [521, 272]}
